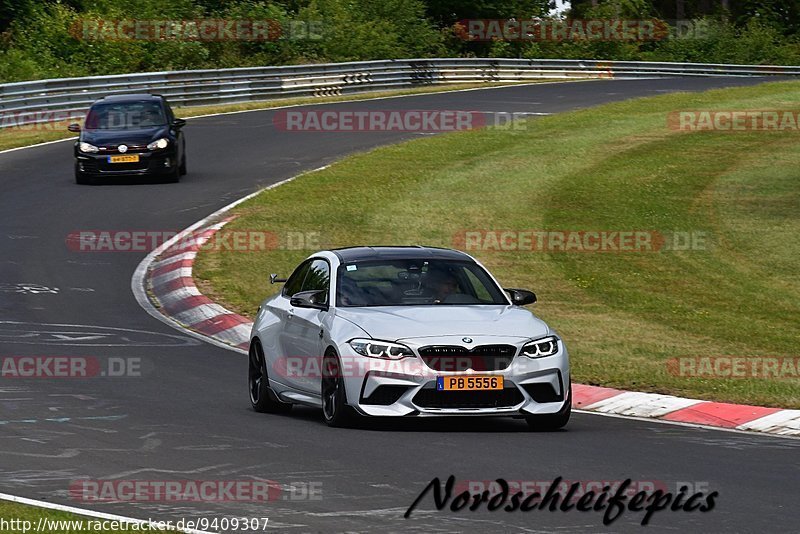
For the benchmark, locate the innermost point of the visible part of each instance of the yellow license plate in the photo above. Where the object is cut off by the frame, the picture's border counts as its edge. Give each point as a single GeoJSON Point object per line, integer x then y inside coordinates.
{"type": "Point", "coordinates": [133, 158]}
{"type": "Point", "coordinates": [462, 383]}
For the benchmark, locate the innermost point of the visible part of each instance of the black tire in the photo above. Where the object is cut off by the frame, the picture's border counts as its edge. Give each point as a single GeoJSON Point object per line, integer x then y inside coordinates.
{"type": "Point", "coordinates": [182, 168]}
{"type": "Point", "coordinates": [550, 422]}
{"type": "Point", "coordinates": [81, 178]}
{"type": "Point", "coordinates": [174, 177]}
{"type": "Point", "coordinates": [335, 410]}
{"type": "Point", "coordinates": [262, 398]}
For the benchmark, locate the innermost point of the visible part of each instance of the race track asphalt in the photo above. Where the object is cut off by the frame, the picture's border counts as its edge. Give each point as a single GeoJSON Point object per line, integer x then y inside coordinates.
{"type": "Point", "coordinates": [188, 416]}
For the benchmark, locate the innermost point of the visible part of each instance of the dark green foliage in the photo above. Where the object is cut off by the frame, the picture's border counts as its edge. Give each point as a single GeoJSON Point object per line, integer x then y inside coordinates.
{"type": "Point", "coordinates": [36, 40]}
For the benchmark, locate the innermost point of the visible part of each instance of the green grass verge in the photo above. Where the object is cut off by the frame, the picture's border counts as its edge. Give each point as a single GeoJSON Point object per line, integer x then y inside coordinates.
{"type": "Point", "coordinates": [28, 135]}
{"type": "Point", "coordinates": [614, 167]}
{"type": "Point", "coordinates": [19, 517]}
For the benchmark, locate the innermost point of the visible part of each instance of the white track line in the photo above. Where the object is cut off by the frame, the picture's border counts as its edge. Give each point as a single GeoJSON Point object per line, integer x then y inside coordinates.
{"type": "Point", "coordinates": [89, 513]}
{"type": "Point", "coordinates": [37, 144]}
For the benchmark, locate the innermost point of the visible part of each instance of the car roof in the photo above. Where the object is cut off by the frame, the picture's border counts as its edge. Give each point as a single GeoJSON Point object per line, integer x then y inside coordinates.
{"type": "Point", "coordinates": [133, 97]}
{"type": "Point", "coordinates": [355, 254]}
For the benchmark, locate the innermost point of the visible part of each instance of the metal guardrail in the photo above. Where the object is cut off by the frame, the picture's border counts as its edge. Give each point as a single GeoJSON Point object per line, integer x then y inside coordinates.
{"type": "Point", "coordinates": [55, 99]}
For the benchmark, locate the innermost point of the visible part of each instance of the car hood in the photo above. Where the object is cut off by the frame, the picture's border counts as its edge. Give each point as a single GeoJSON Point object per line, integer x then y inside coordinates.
{"type": "Point", "coordinates": [136, 137]}
{"type": "Point", "coordinates": [394, 323]}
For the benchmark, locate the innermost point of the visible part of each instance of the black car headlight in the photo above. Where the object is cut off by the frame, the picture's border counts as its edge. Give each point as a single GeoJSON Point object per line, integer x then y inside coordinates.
{"type": "Point", "coordinates": [539, 348]}
{"type": "Point", "coordinates": [381, 349]}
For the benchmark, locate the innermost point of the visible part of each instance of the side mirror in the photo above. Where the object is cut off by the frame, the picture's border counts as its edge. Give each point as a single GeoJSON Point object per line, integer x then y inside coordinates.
{"type": "Point", "coordinates": [273, 279]}
{"type": "Point", "coordinates": [179, 123]}
{"type": "Point", "coordinates": [521, 297]}
{"type": "Point", "coordinates": [309, 299]}
{"type": "Point", "coordinates": [74, 127]}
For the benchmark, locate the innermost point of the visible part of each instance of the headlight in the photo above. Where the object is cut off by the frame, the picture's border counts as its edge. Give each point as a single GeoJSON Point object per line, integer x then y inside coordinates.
{"type": "Point", "coordinates": [86, 147]}
{"type": "Point", "coordinates": [539, 348]}
{"type": "Point", "coordinates": [381, 349]}
{"type": "Point", "coordinates": [159, 143]}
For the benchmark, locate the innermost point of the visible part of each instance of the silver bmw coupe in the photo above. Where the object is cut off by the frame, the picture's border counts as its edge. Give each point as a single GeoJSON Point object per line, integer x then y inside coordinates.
{"type": "Point", "coordinates": [405, 331]}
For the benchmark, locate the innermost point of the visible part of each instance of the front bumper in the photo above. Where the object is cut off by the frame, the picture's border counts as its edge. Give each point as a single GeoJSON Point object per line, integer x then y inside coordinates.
{"type": "Point", "coordinates": [407, 387]}
{"type": "Point", "coordinates": [159, 162]}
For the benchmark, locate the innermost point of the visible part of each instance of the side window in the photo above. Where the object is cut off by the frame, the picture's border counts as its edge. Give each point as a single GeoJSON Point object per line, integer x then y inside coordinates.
{"type": "Point", "coordinates": [318, 277]}
{"type": "Point", "coordinates": [168, 111]}
{"type": "Point", "coordinates": [295, 282]}
{"type": "Point", "coordinates": [478, 289]}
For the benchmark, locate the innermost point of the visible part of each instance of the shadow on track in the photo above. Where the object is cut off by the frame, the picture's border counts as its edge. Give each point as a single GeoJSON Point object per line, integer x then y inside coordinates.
{"type": "Point", "coordinates": [444, 424]}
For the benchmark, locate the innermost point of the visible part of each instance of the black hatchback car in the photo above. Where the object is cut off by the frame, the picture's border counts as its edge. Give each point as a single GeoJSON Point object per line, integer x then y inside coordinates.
{"type": "Point", "coordinates": [130, 135]}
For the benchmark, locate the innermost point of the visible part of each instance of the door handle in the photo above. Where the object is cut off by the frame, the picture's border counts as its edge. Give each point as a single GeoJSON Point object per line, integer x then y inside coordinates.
{"type": "Point", "coordinates": [290, 312]}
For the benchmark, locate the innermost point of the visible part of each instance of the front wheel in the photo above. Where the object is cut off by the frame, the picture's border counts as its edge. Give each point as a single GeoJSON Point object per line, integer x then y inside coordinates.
{"type": "Point", "coordinates": [81, 178]}
{"type": "Point", "coordinates": [262, 398]}
{"type": "Point", "coordinates": [175, 176]}
{"type": "Point", "coordinates": [335, 410]}
{"type": "Point", "coordinates": [552, 421]}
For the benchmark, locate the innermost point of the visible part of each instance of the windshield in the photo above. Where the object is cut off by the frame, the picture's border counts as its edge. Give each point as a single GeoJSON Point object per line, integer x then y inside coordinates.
{"type": "Point", "coordinates": [125, 116]}
{"type": "Point", "coordinates": [415, 283]}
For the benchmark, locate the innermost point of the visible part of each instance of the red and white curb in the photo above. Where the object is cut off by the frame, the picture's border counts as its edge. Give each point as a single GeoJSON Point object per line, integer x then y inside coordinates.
{"type": "Point", "coordinates": [691, 411]}
{"type": "Point", "coordinates": [164, 286]}
{"type": "Point", "coordinates": [169, 280]}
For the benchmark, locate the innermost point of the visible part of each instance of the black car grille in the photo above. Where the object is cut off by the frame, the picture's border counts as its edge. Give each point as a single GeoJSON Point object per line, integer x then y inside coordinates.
{"type": "Point", "coordinates": [432, 398]}
{"type": "Point", "coordinates": [132, 149]}
{"type": "Point", "coordinates": [454, 358]}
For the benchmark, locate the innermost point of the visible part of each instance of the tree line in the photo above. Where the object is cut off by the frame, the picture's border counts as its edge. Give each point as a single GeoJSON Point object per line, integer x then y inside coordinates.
{"type": "Point", "coordinates": [61, 38]}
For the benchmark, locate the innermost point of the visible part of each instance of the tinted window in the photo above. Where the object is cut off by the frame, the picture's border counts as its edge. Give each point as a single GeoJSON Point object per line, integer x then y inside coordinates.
{"type": "Point", "coordinates": [318, 278]}
{"type": "Point", "coordinates": [125, 116]}
{"type": "Point", "coordinates": [478, 286]}
{"type": "Point", "coordinates": [295, 282]}
{"type": "Point", "coordinates": [415, 283]}
{"type": "Point", "coordinates": [170, 114]}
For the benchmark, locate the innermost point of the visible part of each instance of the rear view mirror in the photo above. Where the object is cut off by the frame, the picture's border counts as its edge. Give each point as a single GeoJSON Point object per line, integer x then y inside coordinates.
{"type": "Point", "coordinates": [179, 123]}
{"type": "Point", "coordinates": [521, 297]}
{"type": "Point", "coordinates": [309, 299]}
{"type": "Point", "coordinates": [273, 279]}
{"type": "Point", "coordinates": [74, 127]}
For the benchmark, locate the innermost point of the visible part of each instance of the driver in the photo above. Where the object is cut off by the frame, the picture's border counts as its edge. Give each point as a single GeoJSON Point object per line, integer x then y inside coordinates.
{"type": "Point", "coordinates": [150, 117]}
{"type": "Point", "coordinates": [441, 285]}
